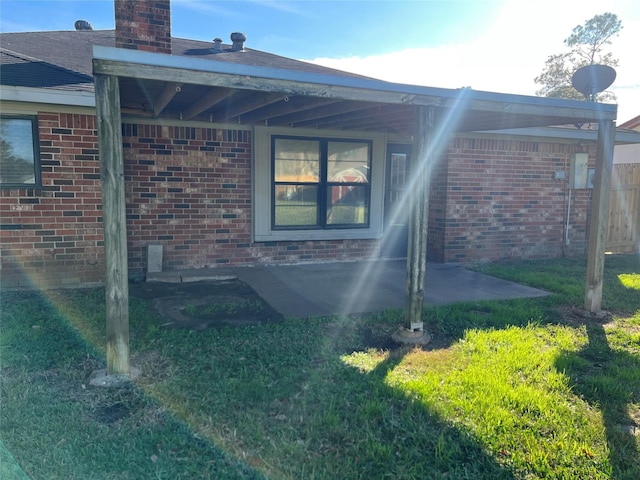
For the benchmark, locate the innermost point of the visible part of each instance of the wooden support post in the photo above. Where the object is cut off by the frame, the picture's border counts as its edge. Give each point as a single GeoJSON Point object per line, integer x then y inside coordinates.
{"type": "Point", "coordinates": [114, 222]}
{"type": "Point", "coordinates": [599, 215]}
{"type": "Point", "coordinates": [422, 163]}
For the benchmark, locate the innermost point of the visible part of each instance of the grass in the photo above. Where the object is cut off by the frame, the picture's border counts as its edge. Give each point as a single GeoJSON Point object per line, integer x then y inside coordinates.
{"type": "Point", "coordinates": [518, 389]}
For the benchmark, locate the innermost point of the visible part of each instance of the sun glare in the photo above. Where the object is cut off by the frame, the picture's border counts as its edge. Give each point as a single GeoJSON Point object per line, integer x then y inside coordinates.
{"type": "Point", "coordinates": [424, 167]}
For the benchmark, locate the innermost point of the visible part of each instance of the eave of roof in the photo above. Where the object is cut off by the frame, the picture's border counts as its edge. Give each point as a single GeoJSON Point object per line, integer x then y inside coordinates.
{"type": "Point", "coordinates": [48, 96]}
{"type": "Point", "coordinates": [249, 71]}
{"type": "Point", "coordinates": [632, 124]}
{"type": "Point", "coordinates": [496, 110]}
{"type": "Point", "coordinates": [586, 133]}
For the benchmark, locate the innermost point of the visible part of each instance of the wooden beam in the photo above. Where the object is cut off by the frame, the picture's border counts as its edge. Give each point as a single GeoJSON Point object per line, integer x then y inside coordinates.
{"type": "Point", "coordinates": [295, 104]}
{"type": "Point", "coordinates": [422, 159]}
{"type": "Point", "coordinates": [366, 111]}
{"type": "Point", "coordinates": [247, 104]}
{"type": "Point", "coordinates": [138, 112]}
{"type": "Point", "coordinates": [308, 116]}
{"type": "Point", "coordinates": [114, 222]}
{"type": "Point", "coordinates": [169, 91]}
{"type": "Point", "coordinates": [245, 82]}
{"type": "Point", "coordinates": [386, 116]}
{"type": "Point", "coordinates": [599, 215]}
{"type": "Point", "coordinates": [208, 100]}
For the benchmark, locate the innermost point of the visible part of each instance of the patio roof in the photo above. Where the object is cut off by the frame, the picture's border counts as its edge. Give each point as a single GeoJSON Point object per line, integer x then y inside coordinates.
{"type": "Point", "coordinates": [162, 85]}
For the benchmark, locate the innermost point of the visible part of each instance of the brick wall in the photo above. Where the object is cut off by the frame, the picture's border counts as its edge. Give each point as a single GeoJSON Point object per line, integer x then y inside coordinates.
{"type": "Point", "coordinates": [503, 201]}
{"type": "Point", "coordinates": [52, 235]}
{"type": "Point", "coordinates": [189, 189]}
{"type": "Point", "coordinates": [437, 212]}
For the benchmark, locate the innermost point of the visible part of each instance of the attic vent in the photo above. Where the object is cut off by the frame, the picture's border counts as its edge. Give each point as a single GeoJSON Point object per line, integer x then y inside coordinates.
{"type": "Point", "coordinates": [82, 25]}
{"type": "Point", "coordinates": [217, 44]}
{"type": "Point", "coordinates": [238, 40]}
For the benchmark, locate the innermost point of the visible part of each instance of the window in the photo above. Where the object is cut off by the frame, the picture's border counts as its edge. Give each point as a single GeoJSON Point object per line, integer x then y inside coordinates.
{"type": "Point", "coordinates": [320, 183]}
{"type": "Point", "coordinates": [312, 187]}
{"type": "Point", "coordinates": [19, 152]}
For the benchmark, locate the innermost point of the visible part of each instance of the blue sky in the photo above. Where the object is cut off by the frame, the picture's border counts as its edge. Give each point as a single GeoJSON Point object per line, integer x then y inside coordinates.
{"type": "Point", "coordinates": [495, 45]}
{"type": "Point", "coordinates": [299, 29]}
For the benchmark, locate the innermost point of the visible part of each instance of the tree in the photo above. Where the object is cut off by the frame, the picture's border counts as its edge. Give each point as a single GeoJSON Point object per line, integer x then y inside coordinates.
{"type": "Point", "coordinates": [586, 44]}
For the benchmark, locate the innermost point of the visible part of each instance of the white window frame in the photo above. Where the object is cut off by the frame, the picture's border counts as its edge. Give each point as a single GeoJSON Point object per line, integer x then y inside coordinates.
{"type": "Point", "coordinates": [262, 185]}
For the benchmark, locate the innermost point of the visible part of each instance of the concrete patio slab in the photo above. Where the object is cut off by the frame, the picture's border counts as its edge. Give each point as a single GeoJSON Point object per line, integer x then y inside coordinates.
{"type": "Point", "coordinates": [362, 287]}
{"type": "Point", "coordinates": [354, 287]}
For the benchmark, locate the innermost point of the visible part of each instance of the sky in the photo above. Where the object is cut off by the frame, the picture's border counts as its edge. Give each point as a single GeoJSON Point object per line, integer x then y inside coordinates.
{"type": "Point", "coordinates": [491, 45]}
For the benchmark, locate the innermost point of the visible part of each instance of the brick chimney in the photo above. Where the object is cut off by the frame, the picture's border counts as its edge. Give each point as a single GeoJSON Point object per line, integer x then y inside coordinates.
{"type": "Point", "coordinates": [143, 25]}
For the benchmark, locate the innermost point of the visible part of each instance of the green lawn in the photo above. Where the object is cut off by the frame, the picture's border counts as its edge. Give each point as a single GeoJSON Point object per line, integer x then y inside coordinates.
{"type": "Point", "coordinates": [520, 389]}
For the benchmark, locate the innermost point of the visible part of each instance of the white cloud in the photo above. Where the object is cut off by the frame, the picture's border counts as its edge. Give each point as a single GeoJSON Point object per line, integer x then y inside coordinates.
{"type": "Point", "coordinates": [511, 53]}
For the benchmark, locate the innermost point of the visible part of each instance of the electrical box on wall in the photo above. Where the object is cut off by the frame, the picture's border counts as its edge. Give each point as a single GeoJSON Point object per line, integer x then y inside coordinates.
{"type": "Point", "coordinates": [579, 172]}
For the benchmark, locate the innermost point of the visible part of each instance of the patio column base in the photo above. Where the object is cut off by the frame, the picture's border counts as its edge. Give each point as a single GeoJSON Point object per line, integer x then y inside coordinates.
{"type": "Point", "coordinates": [409, 337]}
{"type": "Point", "coordinates": [99, 378]}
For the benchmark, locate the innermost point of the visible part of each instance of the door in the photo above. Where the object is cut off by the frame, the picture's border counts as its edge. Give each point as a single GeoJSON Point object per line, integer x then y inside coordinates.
{"type": "Point", "coordinates": [396, 206]}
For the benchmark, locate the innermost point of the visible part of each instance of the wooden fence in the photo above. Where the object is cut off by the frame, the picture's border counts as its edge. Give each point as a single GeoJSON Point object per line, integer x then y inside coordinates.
{"type": "Point", "coordinates": [623, 233]}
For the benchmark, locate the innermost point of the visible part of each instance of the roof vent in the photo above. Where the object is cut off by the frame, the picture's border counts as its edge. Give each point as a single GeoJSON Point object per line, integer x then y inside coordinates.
{"type": "Point", "coordinates": [82, 25]}
{"type": "Point", "coordinates": [217, 44]}
{"type": "Point", "coordinates": [238, 40]}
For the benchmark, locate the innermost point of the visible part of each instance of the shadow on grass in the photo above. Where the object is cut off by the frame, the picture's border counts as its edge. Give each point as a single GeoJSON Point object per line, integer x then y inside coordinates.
{"type": "Point", "coordinates": [422, 444]}
{"type": "Point", "coordinates": [281, 397]}
{"type": "Point", "coordinates": [449, 323]}
{"type": "Point", "coordinates": [58, 427]}
{"type": "Point", "coordinates": [608, 380]}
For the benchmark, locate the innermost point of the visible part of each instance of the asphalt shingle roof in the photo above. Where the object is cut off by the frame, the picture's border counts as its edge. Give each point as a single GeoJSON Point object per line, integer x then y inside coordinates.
{"type": "Point", "coordinates": [20, 70]}
{"type": "Point", "coordinates": [62, 59]}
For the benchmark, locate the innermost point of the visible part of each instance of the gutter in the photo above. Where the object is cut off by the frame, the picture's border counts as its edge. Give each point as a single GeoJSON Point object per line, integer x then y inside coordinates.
{"type": "Point", "coordinates": [47, 96]}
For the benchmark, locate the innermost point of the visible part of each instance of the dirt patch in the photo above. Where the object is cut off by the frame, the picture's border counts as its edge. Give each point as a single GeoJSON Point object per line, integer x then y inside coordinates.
{"type": "Point", "coordinates": [580, 316]}
{"type": "Point", "coordinates": [215, 303]}
{"type": "Point", "coordinates": [205, 304]}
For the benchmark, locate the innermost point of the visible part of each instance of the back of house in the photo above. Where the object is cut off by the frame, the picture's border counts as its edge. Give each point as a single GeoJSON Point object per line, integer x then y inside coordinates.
{"type": "Point", "coordinates": [221, 176]}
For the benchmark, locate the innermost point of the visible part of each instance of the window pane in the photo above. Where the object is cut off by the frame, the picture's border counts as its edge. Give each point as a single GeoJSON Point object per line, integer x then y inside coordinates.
{"type": "Point", "coordinates": [397, 177]}
{"type": "Point", "coordinates": [17, 159]}
{"type": "Point", "coordinates": [348, 162]}
{"type": "Point", "coordinates": [347, 205]}
{"type": "Point", "coordinates": [296, 205]}
{"type": "Point", "coordinates": [297, 160]}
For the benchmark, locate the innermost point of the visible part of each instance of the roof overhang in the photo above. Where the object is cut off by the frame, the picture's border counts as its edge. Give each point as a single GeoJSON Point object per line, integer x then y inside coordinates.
{"type": "Point", "coordinates": [587, 133]}
{"type": "Point", "coordinates": [161, 85]}
{"type": "Point", "coordinates": [47, 96]}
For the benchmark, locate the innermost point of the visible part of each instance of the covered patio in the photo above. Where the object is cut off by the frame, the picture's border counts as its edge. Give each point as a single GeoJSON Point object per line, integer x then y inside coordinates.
{"type": "Point", "coordinates": [161, 86]}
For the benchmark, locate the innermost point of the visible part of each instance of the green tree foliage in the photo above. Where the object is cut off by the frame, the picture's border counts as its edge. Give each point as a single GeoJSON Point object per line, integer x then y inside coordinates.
{"type": "Point", "coordinates": [586, 46]}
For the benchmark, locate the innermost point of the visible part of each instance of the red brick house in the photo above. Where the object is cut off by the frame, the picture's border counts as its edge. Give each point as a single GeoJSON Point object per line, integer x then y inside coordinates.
{"type": "Point", "coordinates": [236, 157]}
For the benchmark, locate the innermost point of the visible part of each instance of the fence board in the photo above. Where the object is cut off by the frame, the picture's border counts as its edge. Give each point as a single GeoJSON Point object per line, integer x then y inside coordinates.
{"type": "Point", "coordinates": [623, 233]}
